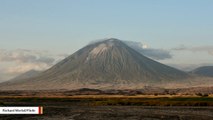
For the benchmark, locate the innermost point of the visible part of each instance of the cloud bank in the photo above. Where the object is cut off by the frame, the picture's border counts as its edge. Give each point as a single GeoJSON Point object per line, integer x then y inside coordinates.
{"type": "Point", "coordinates": [157, 54]}
{"type": "Point", "coordinates": [208, 49]}
{"type": "Point", "coordinates": [22, 60]}
{"type": "Point", "coordinates": [26, 56]}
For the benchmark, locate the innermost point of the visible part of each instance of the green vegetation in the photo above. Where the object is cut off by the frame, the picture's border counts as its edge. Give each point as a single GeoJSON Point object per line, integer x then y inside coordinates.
{"type": "Point", "coordinates": [119, 101]}
{"type": "Point", "coordinates": [1, 103]}
{"type": "Point", "coordinates": [158, 102]}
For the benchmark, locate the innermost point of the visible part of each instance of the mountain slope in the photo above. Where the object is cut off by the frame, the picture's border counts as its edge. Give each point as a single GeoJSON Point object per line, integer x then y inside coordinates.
{"type": "Point", "coordinates": [204, 71]}
{"type": "Point", "coordinates": [26, 75]}
{"type": "Point", "coordinates": [109, 62]}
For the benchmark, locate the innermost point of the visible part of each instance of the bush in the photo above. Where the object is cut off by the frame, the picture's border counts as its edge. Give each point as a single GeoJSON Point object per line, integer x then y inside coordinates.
{"type": "Point", "coordinates": [202, 95]}
{"type": "Point", "coordinates": [1, 103]}
{"type": "Point", "coordinates": [205, 95]}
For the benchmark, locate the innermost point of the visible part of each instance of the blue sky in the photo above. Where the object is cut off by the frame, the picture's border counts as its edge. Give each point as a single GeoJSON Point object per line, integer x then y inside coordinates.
{"type": "Point", "coordinates": [64, 26]}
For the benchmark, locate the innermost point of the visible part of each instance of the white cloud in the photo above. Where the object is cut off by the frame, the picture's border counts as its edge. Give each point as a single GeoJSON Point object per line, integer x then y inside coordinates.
{"type": "Point", "coordinates": [207, 49]}
{"type": "Point", "coordinates": [211, 52]}
{"type": "Point", "coordinates": [144, 46]}
{"type": "Point", "coordinates": [4, 75]}
{"type": "Point", "coordinates": [22, 60]}
{"type": "Point", "coordinates": [21, 68]}
{"type": "Point", "coordinates": [26, 56]}
{"type": "Point", "coordinates": [157, 54]}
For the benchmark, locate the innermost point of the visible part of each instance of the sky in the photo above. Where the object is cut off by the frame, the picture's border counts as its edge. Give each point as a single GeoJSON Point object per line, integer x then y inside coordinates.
{"type": "Point", "coordinates": [36, 34]}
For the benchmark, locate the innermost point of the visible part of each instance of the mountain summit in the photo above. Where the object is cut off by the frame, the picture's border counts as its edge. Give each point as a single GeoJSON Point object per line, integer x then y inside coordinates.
{"type": "Point", "coordinates": [108, 62]}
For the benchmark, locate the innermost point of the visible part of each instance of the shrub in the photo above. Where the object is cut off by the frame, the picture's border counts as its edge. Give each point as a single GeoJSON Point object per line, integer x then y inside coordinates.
{"type": "Point", "coordinates": [202, 95]}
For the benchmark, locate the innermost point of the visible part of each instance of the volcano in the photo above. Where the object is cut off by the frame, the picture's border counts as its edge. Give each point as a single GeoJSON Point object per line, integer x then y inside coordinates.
{"type": "Point", "coordinates": [102, 64]}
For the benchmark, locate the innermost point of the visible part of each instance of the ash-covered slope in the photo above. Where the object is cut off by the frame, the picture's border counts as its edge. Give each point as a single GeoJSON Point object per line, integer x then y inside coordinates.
{"type": "Point", "coordinates": [204, 71]}
{"type": "Point", "coordinates": [109, 62]}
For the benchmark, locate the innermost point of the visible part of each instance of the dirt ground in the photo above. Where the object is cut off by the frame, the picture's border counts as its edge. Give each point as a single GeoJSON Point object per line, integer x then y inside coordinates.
{"type": "Point", "coordinates": [66, 112]}
{"type": "Point", "coordinates": [82, 109]}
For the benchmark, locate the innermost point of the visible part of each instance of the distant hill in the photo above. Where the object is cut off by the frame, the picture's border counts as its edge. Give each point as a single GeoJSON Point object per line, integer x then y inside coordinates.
{"type": "Point", "coordinates": [26, 75]}
{"type": "Point", "coordinates": [204, 71]}
{"type": "Point", "coordinates": [105, 64]}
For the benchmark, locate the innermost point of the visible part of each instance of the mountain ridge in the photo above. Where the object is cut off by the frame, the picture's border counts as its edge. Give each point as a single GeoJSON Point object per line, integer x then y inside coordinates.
{"type": "Point", "coordinates": [29, 74]}
{"type": "Point", "coordinates": [203, 71]}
